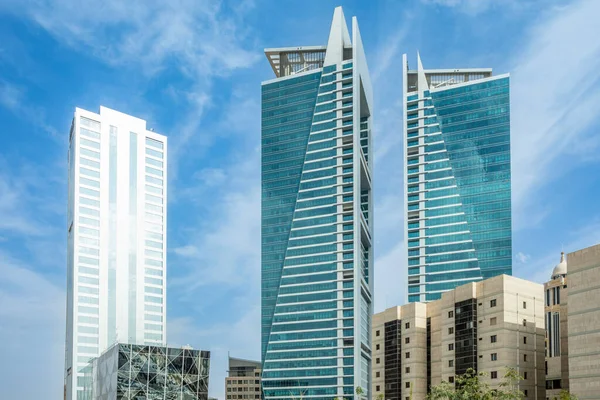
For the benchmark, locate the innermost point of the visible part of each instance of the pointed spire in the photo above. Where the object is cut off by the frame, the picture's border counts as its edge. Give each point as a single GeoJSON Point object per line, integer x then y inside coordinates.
{"type": "Point", "coordinates": [422, 80]}
{"type": "Point", "coordinates": [562, 256]}
{"type": "Point", "coordinates": [339, 37]}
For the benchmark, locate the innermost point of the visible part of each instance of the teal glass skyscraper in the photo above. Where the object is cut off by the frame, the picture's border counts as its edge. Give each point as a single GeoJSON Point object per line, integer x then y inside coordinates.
{"type": "Point", "coordinates": [457, 178]}
{"type": "Point", "coordinates": [317, 218]}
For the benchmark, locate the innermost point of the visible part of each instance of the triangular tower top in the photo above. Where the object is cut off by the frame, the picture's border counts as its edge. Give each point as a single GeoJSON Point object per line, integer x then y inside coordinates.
{"type": "Point", "coordinates": [421, 78]}
{"type": "Point", "coordinates": [339, 37]}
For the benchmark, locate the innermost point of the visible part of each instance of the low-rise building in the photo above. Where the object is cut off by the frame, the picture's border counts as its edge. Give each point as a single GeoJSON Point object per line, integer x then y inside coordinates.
{"type": "Point", "coordinates": [129, 371]}
{"type": "Point", "coordinates": [243, 380]}
{"type": "Point", "coordinates": [557, 349]}
{"type": "Point", "coordinates": [485, 326]}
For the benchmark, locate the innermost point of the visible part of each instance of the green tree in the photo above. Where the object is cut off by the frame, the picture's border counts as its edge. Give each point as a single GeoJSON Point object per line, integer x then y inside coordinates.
{"type": "Point", "coordinates": [509, 388]}
{"type": "Point", "coordinates": [470, 386]}
{"type": "Point", "coordinates": [380, 396]}
{"type": "Point", "coordinates": [359, 391]}
{"type": "Point", "coordinates": [565, 395]}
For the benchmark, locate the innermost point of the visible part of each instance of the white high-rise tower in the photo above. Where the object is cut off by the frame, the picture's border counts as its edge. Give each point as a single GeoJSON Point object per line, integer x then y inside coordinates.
{"type": "Point", "coordinates": [116, 246]}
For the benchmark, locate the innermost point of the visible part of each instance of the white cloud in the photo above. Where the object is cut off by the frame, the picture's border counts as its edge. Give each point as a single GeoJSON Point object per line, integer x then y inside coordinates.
{"type": "Point", "coordinates": [32, 331]}
{"type": "Point", "coordinates": [539, 269]}
{"type": "Point", "coordinates": [223, 247]}
{"type": "Point", "coordinates": [555, 95]}
{"type": "Point", "coordinates": [33, 307]}
{"type": "Point", "coordinates": [202, 39]}
{"type": "Point", "coordinates": [25, 203]}
{"type": "Point", "coordinates": [522, 257]}
{"type": "Point", "coordinates": [239, 338]}
{"type": "Point", "coordinates": [475, 7]}
{"type": "Point", "coordinates": [14, 98]}
{"type": "Point", "coordinates": [211, 176]}
{"type": "Point", "coordinates": [198, 34]}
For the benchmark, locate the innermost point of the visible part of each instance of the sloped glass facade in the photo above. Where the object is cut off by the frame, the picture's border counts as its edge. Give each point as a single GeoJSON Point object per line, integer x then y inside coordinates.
{"type": "Point", "coordinates": [458, 185]}
{"type": "Point", "coordinates": [128, 372]}
{"type": "Point", "coordinates": [316, 235]}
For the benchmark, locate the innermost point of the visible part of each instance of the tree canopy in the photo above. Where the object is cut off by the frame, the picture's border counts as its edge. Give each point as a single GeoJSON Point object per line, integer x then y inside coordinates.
{"type": "Point", "coordinates": [470, 386]}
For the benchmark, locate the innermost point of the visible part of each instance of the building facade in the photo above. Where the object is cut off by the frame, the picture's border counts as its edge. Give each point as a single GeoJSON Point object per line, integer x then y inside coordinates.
{"type": "Point", "coordinates": [557, 346]}
{"type": "Point", "coordinates": [127, 371]}
{"type": "Point", "coordinates": [317, 219]}
{"type": "Point", "coordinates": [457, 174]}
{"type": "Point", "coordinates": [243, 380]}
{"type": "Point", "coordinates": [584, 323]}
{"type": "Point", "coordinates": [486, 326]}
{"type": "Point", "coordinates": [116, 238]}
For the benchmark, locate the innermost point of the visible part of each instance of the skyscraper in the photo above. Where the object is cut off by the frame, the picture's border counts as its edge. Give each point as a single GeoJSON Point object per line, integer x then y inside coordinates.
{"type": "Point", "coordinates": [457, 178]}
{"type": "Point", "coordinates": [317, 261]}
{"type": "Point", "coordinates": [116, 238]}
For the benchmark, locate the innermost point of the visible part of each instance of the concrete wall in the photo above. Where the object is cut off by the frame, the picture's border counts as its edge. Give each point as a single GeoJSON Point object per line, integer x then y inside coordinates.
{"type": "Point", "coordinates": [584, 323]}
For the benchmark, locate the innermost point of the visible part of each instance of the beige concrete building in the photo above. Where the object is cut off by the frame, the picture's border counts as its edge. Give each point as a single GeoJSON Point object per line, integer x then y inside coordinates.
{"type": "Point", "coordinates": [557, 350]}
{"type": "Point", "coordinates": [584, 323]}
{"type": "Point", "coordinates": [487, 325]}
{"type": "Point", "coordinates": [243, 380]}
{"type": "Point", "coordinates": [400, 352]}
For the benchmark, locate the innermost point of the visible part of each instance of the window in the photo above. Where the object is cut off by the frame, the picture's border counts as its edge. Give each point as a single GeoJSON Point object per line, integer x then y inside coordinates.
{"type": "Point", "coordinates": [377, 374]}
{"type": "Point", "coordinates": [493, 339]}
{"type": "Point", "coordinates": [406, 340]}
{"type": "Point", "coordinates": [407, 370]}
{"type": "Point", "coordinates": [494, 375]}
{"type": "Point", "coordinates": [450, 379]}
{"type": "Point", "coordinates": [407, 355]}
{"type": "Point", "coordinates": [377, 347]}
{"type": "Point", "coordinates": [524, 304]}
{"type": "Point", "coordinates": [376, 333]}
{"type": "Point", "coordinates": [451, 347]}
{"type": "Point", "coordinates": [524, 375]}
{"type": "Point", "coordinates": [524, 339]}
{"type": "Point", "coordinates": [524, 322]}
{"type": "Point", "coordinates": [407, 325]}
{"type": "Point", "coordinates": [377, 388]}
{"type": "Point", "coordinates": [494, 357]}
{"type": "Point", "coordinates": [450, 314]}
{"type": "Point", "coordinates": [407, 385]}
{"type": "Point", "coordinates": [525, 392]}
{"type": "Point", "coordinates": [377, 360]}
{"type": "Point", "coordinates": [451, 363]}
{"type": "Point", "coordinates": [525, 357]}
{"type": "Point", "coordinates": [493, 321]}
{"type": "Point", "coordinates": [450, 331]}
{"type": "Point", "coordinates": [493, 303]}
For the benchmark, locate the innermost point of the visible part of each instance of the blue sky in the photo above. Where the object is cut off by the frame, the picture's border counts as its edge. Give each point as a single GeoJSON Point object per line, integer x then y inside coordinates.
{"type": "Point", "coordinates": [192, 69]}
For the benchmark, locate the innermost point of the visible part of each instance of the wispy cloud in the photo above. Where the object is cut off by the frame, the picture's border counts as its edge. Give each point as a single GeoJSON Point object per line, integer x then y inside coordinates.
{"type": "Point", "coordinates": [203, 36]}
{"type": "Point", "coordinates": [200, 39]}
{"type": "Point", "coordinates": [554, 101]}
{"type": "Point", "coordinates": [224, 247]}
{"type": "Point", "coordinates": [26, 203]}
{"type": "Point", "coordinates": [539, 268]}
{"type": "Point", "coordinates": [522, 257]}
{"type": "Point", "coordinates": [475, 7]}
{"type": "Point", "coordinates": [239, 337]}
{"type": "Point", "coordinates": [14, 99]}
{"type": "Point", "coordinates": [33, 323]}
